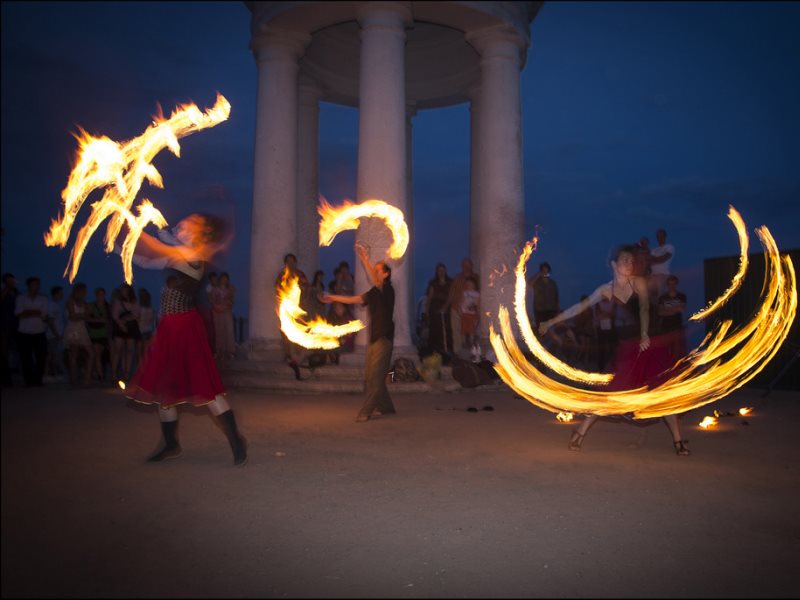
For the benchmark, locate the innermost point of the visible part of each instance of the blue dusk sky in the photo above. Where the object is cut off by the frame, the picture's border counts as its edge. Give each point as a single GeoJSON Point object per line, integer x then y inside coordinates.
{"type": "Point", "coordinates": [636, 116]}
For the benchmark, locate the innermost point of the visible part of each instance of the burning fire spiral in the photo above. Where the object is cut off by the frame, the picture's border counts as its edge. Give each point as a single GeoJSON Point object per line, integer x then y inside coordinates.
{"type": "Point", "coordinates": [319, 333]}
{"type": "Point", "coordinates": [724, 361]}
{"type": "Point", "coordinates": [122, 168]}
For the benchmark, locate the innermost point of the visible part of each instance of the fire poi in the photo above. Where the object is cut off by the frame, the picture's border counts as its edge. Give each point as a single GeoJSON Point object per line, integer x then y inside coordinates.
{"type": "Point", "coordinates": [121, 168]}
{"type": "Point", "coordinates": [724, 361]}
{"type": "Point", "coordinates": [318, 333]}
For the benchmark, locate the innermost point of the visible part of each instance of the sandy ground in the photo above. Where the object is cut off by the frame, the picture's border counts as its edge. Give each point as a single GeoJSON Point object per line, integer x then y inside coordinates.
{"type": "Point", "coordinates": [431, 502]}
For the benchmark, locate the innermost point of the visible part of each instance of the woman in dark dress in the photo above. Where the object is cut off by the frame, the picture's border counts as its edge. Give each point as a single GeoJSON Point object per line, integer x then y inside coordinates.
{"type": "Point", "coordinates": [440, 329]}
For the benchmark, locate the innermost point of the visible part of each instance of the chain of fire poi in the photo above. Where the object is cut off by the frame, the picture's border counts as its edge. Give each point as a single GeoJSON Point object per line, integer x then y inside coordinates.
{"type": "Point", "coordinates": [724, 361]}
{"type": "Point", "coordinates": [121, 168]}
{"type": "Point", "coordinates": [317, 332]}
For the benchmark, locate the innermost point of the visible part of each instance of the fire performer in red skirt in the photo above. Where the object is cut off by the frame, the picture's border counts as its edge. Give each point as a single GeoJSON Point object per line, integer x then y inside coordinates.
{"type": "Point", "coordinates": [638, 360]}
{"type": "Point", "coordinates": [179, 366]}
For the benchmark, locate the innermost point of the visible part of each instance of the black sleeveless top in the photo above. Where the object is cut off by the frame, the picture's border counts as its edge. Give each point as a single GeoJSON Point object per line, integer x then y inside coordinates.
{"type": "Point", "coordinates": [626, 316]}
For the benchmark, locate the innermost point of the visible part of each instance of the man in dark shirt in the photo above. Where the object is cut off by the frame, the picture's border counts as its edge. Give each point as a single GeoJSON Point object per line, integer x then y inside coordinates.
{"type": "Point", "coordinates": [379, 301]}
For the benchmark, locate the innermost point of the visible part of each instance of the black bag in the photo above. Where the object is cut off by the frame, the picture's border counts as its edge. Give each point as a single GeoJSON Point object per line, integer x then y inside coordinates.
{"type": "Point", "coordinates": [468, 374]}
{"type": "Point", "coordinates": [405, 370]}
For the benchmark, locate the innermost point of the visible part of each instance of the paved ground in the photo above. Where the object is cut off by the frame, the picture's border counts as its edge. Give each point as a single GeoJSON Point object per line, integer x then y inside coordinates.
{"type": "Point", "coordinates": [432, 502]}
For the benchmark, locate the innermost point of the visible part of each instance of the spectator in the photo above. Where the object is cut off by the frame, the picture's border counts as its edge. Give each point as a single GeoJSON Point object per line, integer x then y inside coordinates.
{"type": "Point", "coordinates": [125, 324]}
{"type": "Point", "coordinates": [455, 302]}
{"type": "Point", "coordinates": [670, 308]}
{"type": "Point", "coordinates": [99, 326]}
{"type": "Point", "coordinates": [147, 321]}
{"type": "Point", "coordinates": [8, 343]}
{"type": "Point", "coordinates": [31, 310]}
{"type": "Point", "coordinates": [660, 259]}
{"type": "Point", "coordinates": [315, 291]}
{"type": "Point", "coordinates": [339, 315]}
{"type": "Point", "coordinates": [469, 312]}
{"type": "Point", "coordinates": [440, 329]}
{"type": "Point", "coordinates": [545, 295]}
{"type": "Point", "coordinates": [54, 368]}
{"type": "Point", "coordinates": [76, 335]}
{"type": "Point", "coordinates": [222, 303]}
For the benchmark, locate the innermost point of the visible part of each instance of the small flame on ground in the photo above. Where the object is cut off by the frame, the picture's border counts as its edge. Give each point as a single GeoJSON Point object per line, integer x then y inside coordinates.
{"type": "Point", "coordinates": [564, 417]}
{"type": "Point", "coordinates": [708, 422]}
{"type": "Point", "coordinates": [121, 384]}
{"type": "Point", "coordinates": [745, 411]}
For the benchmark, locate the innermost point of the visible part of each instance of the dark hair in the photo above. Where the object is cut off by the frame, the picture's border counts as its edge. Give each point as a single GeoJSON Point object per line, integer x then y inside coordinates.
{"type": "Point", "coordinates": [126, 292]}
{"type": "Point", "coordinates": [6, 276]}
{"type": "Point", "coordinates": [78, 287]}
{"type": "Point", "coordinates": [224, 274]}
{"type": "Point", "coordinates": [545, 264]}
{"type": "Point", "coordinates": [344, 264]}
{"type": "Point", "coordinates": [664, 231]}
{"type": "Point", "coordinates": [673, 278]}
{"type": "Point", "coordinates": [218, 227]}
{"type": "Point", "coordinates": [614, 255]}
{"type": "Point", "coordinates": [55, 289]}
{"type": "Point", "coordinates": [388, 270]}
{"type": "Point", "coordinates": [30, 280]}
{"type": "Point", "coordinates": [144, 298]}
{"type": "Point", "coordinates": [286, 257]}
{"type": "Point", "coordinates": [212, 274]}
{"type": "Point", "coordinates": [473, 279]}
{"type": "Point", "coordinates": [319, 274]}
{"type": "Point", "coordinates": [100, 289]}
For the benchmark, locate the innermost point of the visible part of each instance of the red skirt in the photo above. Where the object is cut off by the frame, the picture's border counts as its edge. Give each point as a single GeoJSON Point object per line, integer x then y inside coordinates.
{"type": "Point", "coordinates": [178, 366]}
{"type": "Point", "coordinates": [633, 368]}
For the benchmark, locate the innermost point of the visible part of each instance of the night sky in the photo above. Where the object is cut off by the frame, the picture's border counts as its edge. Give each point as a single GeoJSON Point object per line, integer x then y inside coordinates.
{"type": "Point", "coordinates": [636, 116]}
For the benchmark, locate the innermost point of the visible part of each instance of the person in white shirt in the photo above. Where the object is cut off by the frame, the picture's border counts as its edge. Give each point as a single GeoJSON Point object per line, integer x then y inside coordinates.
{"type": "Point", "coordinates": [660, 259]}
{"type": "Point", "coordinates": [31, 309]}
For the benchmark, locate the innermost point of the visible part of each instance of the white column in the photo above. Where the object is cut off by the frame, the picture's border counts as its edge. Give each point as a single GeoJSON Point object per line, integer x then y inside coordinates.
{"type": "Point", "coordinates": [382, 168]}
{"type": "Point", "coordinates": [273, 218]}
{"type": "Point", "coordinates": [475, 217]}
{"type": "Point", "coordinates": [497, 168]}
{"type": "Point", "coordinates": [411, 111]}
{"type": "Point", "coordinates": [309, 94]}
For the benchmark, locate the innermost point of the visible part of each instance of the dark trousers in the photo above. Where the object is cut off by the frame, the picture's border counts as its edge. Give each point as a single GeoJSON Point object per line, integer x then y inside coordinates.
{"type": "Point", "coordinates": [32, 355]}
{"type": "Point", "coordinates": [377, 363]}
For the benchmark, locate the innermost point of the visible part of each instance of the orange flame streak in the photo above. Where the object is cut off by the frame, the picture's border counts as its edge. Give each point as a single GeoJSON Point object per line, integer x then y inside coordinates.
{"type": "Point", "coordinates": [122, 168]}
{"type": "Point", "coordinates": [344, 217]}
{"type": "Point", "coordinates": [736, 282]}
{"type": "Point", "coordinates": [316, 333]}
{"type": "Point", "coordinates": [532, 341]}
{"type": "Point", "coordinates": [721, 364]}
{"type": "Point", "coordinates": [708, 422]}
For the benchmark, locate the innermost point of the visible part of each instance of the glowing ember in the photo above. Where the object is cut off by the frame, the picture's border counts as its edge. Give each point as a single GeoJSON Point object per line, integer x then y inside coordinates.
{"type": "Point", "coordinates": [564, 417]}
{"type": "Point", "coordinates": [316, 333]}
{"type": "Point", "coordinates": [745, 411]}
{"type": "Point", "coordinates": [723, 362]}
{"type": "Point", "coordinates": [121, 384]}
{"type": "Point", "coordinates": [121, 168]}
{"type": "Point", "coordinates": [708, 422]}
{"type": "Point", "coordinates": [344, 217]}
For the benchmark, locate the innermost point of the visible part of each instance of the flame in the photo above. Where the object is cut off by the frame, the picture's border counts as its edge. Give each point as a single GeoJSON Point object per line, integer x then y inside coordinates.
{"type": "Point", "coordinates": [736, 282]}
{"type": "Point", "coordinates": [723, 362]}
{"type": "Point", "coordinates": [564, 417]}
{"type": "Point", "coordinates": [745, 411]}
{"type": "Point", "coordinates": [121, 168]}
{"type": "Point", "coordinates": [317, 333]}
{"type": "Point", "coordinates": [121, 384]}
{"type": "Point", "coordinates": [708, 422]}
{"type": "Point", "coordinates": [344, 217]}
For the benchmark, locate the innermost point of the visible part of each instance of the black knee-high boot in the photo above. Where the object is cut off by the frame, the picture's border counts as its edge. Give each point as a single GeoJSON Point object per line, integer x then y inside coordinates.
{"type": "Point", "coordinates": [171, 449]}
{"type": "Point", "coordinates": [237, 442]}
